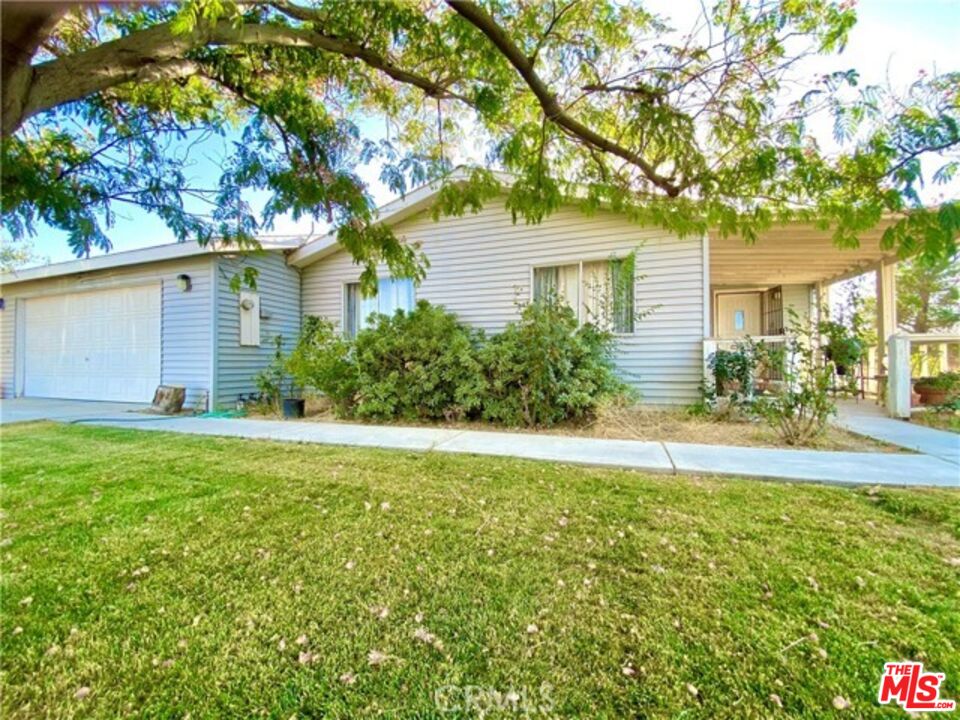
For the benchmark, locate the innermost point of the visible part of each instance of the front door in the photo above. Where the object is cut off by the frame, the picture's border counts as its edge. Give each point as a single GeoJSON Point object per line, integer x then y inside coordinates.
{"type": "Point", "coordinates": [738, 314]}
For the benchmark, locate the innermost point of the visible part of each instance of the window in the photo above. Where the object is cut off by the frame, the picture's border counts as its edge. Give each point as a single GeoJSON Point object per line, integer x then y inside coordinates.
{"type": "Point", "coordinates": [392, 295]}
{"type": "Point", "coordinates": [739, 320]}
{"type": "Point", "coordinates": [601, 291]}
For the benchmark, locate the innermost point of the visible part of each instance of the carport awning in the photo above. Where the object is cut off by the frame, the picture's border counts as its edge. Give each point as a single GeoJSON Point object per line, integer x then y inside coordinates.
{"type": "Point", "coordinates": [791, 254]}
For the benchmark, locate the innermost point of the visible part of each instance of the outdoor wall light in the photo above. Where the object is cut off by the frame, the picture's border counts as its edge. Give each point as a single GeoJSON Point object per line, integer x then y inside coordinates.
{"type": "Point", "coordinates": [183, 282]}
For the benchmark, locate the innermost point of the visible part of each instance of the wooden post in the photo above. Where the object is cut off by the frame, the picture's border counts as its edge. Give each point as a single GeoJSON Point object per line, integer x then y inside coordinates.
{"type": "Point", "coordinates": [886, 310]}
{"type": "Point", "coordinates": [709, 348]}
{"type": "Point", "coordinates": [898, 383]}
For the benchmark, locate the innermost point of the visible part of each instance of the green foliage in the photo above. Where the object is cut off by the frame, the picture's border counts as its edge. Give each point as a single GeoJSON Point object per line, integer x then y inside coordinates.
{"type": "Point", "coordinates": [928, 295]}
{"type": "Point", "coordinates": [948, 382]}
{"type": "Point", "coordinates": [321, 362]}
{"type": "Point", "coordinates": [420, 364]}
{"type": "Point", "coordinates": [427, 365]}
{"type": "Point", "coordinates": [737, 155]}
{"type": "Point", "coordinates": [733, 370]}
{"type": "Point", "coordinates": [844, 348]}
{"type": "Point", "coordinates": [799, 407]}
{"type": "Point", "coordinates": [544, 369]}
{"type": "Point", "coordinates": [275, 382]}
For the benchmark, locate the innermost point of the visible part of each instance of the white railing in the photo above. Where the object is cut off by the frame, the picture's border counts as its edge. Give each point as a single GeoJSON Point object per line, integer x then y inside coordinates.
{"type": "Point", "coordinates": [913, 356]}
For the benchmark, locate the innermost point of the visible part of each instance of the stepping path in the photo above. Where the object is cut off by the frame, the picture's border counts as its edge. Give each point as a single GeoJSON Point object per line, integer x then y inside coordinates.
{"type": "Point", "coordinates": [864, 418]}
{"type": "Point", "coordinates": [847, 468]}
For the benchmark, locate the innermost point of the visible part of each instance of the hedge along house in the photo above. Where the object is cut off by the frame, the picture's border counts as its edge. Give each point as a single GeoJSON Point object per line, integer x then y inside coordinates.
{"type": "Point", "coordinates": [115, 327]}
{"type": "Point", "coordinates": [697, 294]}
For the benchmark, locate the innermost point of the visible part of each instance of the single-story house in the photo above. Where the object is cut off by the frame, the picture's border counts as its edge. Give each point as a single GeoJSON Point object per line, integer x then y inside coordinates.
{"type": "Point", "coordinates": [116, 326]}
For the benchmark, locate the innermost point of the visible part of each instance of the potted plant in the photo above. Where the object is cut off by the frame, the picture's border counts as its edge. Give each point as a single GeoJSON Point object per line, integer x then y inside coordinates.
{"type": "Point", "coordinates": [939, 390]}
{"type": "Point", "coordinates": [732, 371]}
{"type": "Point", "coordinates": [844, 349]}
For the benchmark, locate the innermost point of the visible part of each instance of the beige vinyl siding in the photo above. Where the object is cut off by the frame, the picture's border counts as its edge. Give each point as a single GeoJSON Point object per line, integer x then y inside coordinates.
{"type": "Point", "coordinates": [185, 318]}
{"type": "Point", "coordinates": [481, 266]}
{"type": "Point", "coordinates": [797, 297]}
{"type": "Point", "coordinates": [279, 287]}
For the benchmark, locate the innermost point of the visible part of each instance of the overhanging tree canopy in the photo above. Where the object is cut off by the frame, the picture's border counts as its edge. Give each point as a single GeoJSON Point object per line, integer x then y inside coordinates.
{"type": "Point", "coordinates": [592, 99]}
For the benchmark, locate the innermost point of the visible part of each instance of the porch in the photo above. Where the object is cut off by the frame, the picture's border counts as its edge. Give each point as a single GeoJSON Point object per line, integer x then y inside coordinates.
{"type": "Point", "coordinates": [754, 290]}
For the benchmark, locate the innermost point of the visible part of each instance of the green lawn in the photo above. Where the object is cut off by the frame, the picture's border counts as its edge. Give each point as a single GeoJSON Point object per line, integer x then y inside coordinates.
{"type": "Point", "coordinates": [172, 575]}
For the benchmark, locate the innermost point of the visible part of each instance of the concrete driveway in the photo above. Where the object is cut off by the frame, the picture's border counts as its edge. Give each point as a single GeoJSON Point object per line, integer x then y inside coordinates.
{"type": "Point", "coordinates": [28, 409]}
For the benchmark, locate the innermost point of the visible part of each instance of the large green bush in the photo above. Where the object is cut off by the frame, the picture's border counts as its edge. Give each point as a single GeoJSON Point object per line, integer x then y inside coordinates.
{"type": "Point", "coordinates": [322, 361]}
{"type": "Point", "coordinates": [417, 365]}
{"type": "Point", "coordinates": [427, 365]}
{"type": "Point", "coordinates": [545, 368]}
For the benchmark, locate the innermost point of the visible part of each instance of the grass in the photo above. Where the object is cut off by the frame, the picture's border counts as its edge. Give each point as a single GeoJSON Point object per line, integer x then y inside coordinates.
{"type": "Point", "coordinates": [169, 575]}
{"type": "Point", "coordinates": [940, 419]}
{"type": "Point", "coordinates": [639, 422]}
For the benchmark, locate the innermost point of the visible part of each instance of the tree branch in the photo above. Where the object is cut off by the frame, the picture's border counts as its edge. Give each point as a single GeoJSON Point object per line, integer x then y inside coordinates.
{"type": "Point", "coordinates": [480, 19]}
{"type": "Point", "coordinates": [158, 53]}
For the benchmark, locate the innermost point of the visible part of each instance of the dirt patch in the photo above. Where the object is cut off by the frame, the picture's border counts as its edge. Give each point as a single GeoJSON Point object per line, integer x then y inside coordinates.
{"type": "Point", "coordinates": [645, 423]}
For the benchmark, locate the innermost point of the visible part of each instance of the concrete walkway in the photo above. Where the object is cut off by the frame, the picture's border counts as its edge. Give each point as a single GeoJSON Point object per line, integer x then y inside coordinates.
{"type": "Point", "coordinates": [845, 468]}
{"type": "Point", "coordinates": [28, 409]}
{"type": "Point", "coordinates": [866, 418]}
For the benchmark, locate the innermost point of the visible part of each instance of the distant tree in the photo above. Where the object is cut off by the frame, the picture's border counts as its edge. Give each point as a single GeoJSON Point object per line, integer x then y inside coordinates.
{"type": "Point", "coordinates": [15, 255]}
{"type": "Point", "coordinates": [928, 296]}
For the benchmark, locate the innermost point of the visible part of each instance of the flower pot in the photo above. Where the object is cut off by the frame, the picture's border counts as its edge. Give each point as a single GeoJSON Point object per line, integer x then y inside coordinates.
{"type": "Point", "coordinates": [293, 407]}
{"type": "Point", "coordinates": [932, 396]}
{"type": "Point", "coordinates": [728, 387]}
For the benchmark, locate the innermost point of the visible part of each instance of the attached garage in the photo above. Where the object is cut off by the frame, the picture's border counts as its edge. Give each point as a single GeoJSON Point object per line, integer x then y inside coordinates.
{"type": "Point", "coordinates": [96, 345]}
{"type": "Point", "coordinates": [114, 327]}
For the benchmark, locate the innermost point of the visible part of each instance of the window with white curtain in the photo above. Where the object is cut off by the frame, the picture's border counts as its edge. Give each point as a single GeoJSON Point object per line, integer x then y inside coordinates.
{"type": "Point", "coordinates": [600, 291]}
{"type": "Point", "coordinates": [392, 295]}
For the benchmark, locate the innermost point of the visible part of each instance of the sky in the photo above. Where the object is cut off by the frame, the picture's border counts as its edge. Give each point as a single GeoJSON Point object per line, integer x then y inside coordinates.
{"type": "Point", "coordinates": [893, 40]}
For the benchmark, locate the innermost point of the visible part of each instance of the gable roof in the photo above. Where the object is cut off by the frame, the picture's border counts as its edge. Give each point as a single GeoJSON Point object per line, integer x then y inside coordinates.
{"type": "Point", "coordinates": [140, 256]}
{"type": "Point", "coordinates": [389, 214]}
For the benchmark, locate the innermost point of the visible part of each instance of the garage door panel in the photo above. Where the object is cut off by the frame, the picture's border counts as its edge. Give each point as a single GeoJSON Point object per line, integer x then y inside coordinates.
{"type": "Point", "coordinates": [98, 345]}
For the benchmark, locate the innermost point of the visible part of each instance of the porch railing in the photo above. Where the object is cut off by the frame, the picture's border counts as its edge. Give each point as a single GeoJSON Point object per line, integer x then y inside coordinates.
{"type": "Point", "coordinates": [914, 356]}
{"type": "Point", "coordinates": [711, 345]}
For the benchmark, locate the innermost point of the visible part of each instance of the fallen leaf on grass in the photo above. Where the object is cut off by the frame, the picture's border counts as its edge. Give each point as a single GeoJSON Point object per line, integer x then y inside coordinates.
{"type": "Point", "coordinates": [841, 703]}
{"type": "Point", "coordinates": [348, 678]}
{"type": "Point", "coordinates": [82, 693]}
{"type": "Point", "coordinates": [427, 637]}
{"type": "Point", "coordinates": [375, 658]}
{"type": "Point", "coordinates": [305, 658]}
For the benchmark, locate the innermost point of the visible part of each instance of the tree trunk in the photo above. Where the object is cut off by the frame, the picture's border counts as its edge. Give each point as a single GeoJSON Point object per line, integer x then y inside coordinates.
{"type": "Point", "coordinates": [25, 25]}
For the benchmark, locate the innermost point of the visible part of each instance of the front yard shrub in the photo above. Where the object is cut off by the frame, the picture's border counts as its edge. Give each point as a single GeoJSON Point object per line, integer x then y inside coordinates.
{"type": "Point", "coordinates": [799, 407]}
{"type": "Point", "coordinates": [427, 365]}
{"type": "Point", "coordinates": [421, 364]}
{"type": "Point", "coordinates": [322, 362]}
{"type": "Point", "coordinates": [545, 368]}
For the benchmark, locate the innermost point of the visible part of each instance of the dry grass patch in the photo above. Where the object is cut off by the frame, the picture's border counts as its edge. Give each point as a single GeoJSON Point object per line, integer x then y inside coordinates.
{"type": "Point", "coordinates": [948, 420]}
{"type": "Point", "coordinates": [637, 422]}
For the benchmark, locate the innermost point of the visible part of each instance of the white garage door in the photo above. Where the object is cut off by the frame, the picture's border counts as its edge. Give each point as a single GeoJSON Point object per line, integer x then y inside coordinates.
{"type": "Point", "coordinates": [98, 345]}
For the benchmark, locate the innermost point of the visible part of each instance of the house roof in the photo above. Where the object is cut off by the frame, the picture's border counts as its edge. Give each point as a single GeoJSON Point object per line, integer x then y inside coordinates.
{"type": "Point", "coordinates": [393, 212]}
{"type": "Point", "coordinates": [141, 256]}
{"type": "Point", "coordinates": [793, 253]}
